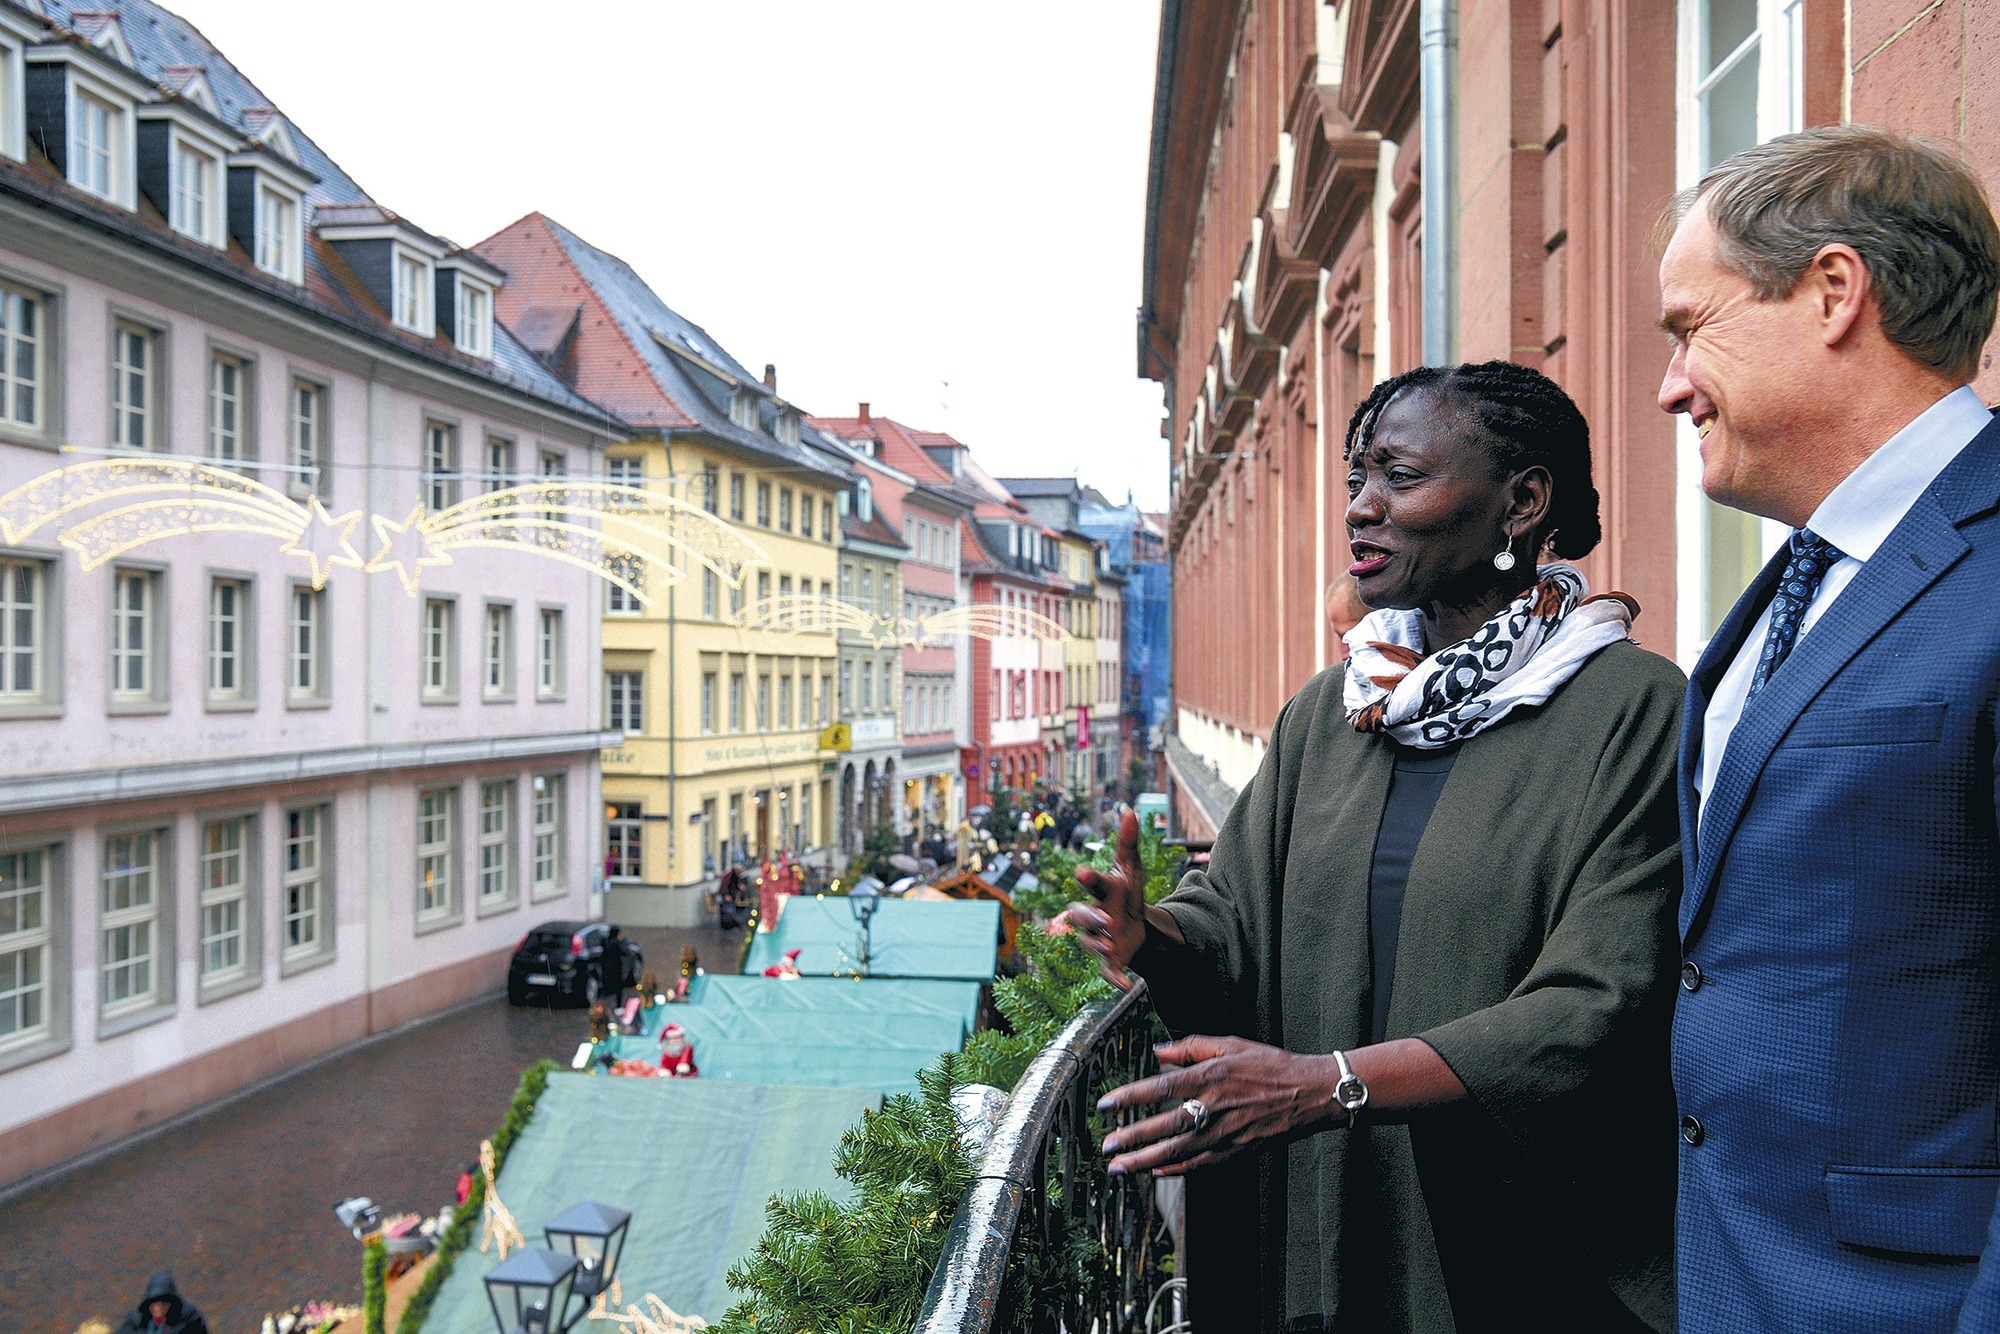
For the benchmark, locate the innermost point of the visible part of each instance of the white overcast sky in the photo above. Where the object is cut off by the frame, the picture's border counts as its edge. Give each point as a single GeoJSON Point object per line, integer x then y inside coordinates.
{"type": "Point", "coordinates": [881, 198]}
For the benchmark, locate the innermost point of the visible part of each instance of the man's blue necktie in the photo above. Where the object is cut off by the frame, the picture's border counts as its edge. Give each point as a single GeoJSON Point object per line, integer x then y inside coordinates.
{"type": "Point", "coordinates": [1812, 556]}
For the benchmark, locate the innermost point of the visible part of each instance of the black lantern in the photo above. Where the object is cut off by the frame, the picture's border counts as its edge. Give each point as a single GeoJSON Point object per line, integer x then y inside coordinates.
{"type": "Point", "coordinates": [530, 1291]}
{"type": "Point", "coordinates": [595, 1235]}
{"type": "Point", "coordinates": [862, 901]}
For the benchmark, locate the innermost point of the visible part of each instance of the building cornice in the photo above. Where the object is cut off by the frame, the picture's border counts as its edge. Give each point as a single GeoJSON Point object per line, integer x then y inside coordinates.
{"type": "Point", "coordinates": [40, 792]}
{"type": "Point", "coordinates": [1213, 796]}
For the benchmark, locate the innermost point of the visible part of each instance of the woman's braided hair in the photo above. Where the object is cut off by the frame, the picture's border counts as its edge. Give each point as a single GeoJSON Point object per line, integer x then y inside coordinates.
{"type": "Point", "coordinates": [1527, 420]}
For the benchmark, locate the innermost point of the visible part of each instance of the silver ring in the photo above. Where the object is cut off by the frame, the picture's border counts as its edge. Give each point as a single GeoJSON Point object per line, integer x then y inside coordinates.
{"type": "Point", "coordinates": [1197, 1112]}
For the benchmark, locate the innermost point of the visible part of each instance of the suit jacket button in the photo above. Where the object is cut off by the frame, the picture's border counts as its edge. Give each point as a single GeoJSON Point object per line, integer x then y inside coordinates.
{"type": "Point", "coordinates": [1691, 1130]}
{"type": "Point", "coordinates": [1691, 976]}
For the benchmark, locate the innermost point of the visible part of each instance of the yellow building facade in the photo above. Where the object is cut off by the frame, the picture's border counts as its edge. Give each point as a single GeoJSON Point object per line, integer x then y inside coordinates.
{"type": "Point", "coordinates": [720, 697]}
{"type": "Point", "coordinates": [721, 763]}
{"type": "Point", "coordinates": [1080, 614]}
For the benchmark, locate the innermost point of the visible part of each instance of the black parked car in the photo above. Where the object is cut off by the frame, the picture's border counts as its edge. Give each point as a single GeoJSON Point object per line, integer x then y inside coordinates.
{"type": "Point", "coordinates": [560, 960]}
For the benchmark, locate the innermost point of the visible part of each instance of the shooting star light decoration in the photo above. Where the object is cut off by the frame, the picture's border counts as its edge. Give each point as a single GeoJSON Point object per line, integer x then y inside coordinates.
{"type": "Point", "coordinates": [105, 508]}
{"type": "Point", "coordinates": [984, 620]}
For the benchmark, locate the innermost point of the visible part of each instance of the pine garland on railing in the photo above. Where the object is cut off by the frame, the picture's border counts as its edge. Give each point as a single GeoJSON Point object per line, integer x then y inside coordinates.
{"type": "Point", "coordinates": [374, 1286]}
{"type": "Point", "coordinates": [1057, 979]}
{"type": "Point", "coordinates": [533, 1080]}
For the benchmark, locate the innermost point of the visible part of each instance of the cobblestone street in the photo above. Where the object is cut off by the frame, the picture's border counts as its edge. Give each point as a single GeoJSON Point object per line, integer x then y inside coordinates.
{"type": "Point", "coordinates": [238, 1200]}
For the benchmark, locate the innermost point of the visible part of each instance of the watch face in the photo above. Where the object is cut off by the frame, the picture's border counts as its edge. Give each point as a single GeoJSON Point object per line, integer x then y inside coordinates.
{"type": "Point", "coordinates": [1352, 1093]}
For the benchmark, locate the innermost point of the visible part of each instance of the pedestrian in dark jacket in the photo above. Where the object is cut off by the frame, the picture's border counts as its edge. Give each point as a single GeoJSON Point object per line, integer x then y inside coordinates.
{"type": "Point", "coordinates": [611, 969]}
{"type": "Point", "coordinates": [161, 1311]}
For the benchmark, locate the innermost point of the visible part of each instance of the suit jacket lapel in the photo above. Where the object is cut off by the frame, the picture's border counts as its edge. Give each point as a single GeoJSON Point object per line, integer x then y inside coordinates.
{"type": "Point", "coordinates": [1708, 669]}
{"type": "Point", "coordinates": [1923, 546]}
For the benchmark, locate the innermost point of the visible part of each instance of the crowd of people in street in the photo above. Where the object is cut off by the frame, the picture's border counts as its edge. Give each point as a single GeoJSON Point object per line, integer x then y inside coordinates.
{"type": "Point", "coordinates": [1533, 984]}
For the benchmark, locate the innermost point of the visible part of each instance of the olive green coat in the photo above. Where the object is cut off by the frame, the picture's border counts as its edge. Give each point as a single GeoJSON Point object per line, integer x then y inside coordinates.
{"type": "Point", "coordinates": [1536, 954]}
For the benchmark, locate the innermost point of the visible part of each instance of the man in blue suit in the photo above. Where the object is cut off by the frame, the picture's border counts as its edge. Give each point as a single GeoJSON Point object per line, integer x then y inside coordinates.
{"type": "Point", "coordinates": [1836, 1045]}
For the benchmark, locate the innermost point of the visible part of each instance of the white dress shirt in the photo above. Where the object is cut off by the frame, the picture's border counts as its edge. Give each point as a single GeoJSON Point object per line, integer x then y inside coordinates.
{"type": "Point", "coordinates": [1856, 516]}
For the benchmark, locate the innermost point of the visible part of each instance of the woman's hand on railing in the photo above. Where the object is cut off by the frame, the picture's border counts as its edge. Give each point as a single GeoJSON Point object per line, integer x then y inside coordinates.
{"type": "Point", "coordinates": [1115, 926]}
{"type": "Point", "coordinates": [1247, 1093]}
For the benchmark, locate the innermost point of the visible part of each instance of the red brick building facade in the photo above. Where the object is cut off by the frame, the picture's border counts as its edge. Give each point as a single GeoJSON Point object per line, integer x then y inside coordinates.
{"type": "Point", "coordinates": [1283, 266]}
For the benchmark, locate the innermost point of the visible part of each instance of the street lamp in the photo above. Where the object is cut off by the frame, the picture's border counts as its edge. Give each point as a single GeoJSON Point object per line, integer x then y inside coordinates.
{"type": "Point", "coordinates": [530, 1291]}
{"type": "Point", "coordinates": [595, 1235]}
{"type": "Point", "coordinates": [862, 901]}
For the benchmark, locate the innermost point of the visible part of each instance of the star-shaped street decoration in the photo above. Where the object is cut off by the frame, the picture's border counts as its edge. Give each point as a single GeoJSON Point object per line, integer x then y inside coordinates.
{"type": "Point", "coordinates": [326, 542]}
{"type": "Point", "coordinates": [406, 548]}
{"type": "Point", "coordinates": [890, 631]}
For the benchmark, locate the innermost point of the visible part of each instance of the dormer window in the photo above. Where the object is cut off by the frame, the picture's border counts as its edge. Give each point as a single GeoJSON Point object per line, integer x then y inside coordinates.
{"type": "Point", "coordinates": [864, 499]}
{"type": "Point", "coordinates": [410, 303]}
{"type": "Point", "coordinates": [80, 104]}
{"type": "Point", "coordinates": [192, 87]}
{"type": "Point", "coordinates": [472, 322]}
{"type": "Point", "coordinates": [265, 126]}
{"type": "Point", "coordinates": [16, 31]}
{"type": "Point", "coordinates": [278, 233]}
{"type": "Point", "coordinates": [265, 209]}
{"type": "Point", "coordinates": [786, 428]}
{"type": "Point", "coordinates": [743, 409]}
{"type": "Point", "coordinates": [183, 158]}
{"type": "Point", "coordinates": [406, 270]}
{"type": "Point", "coordinates": [464, 293]}
{"type": "Point", "coordinates": [101, 30]}
{"type": "Point", "coordinates": [193, 203]}
{"type": "Point", "coordinates": [93, 145]}
{"type": "Point", "coordinates": [196, 206]}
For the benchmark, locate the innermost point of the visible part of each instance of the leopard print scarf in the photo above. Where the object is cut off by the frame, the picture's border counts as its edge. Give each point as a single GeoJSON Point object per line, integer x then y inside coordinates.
{"type": "Point", "coordinates": [1520, 657]}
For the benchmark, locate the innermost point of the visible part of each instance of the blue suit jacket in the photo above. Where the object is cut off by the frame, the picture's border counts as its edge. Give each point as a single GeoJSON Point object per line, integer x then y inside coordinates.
{"type": "Point", "coordinates": [1838, 1044]}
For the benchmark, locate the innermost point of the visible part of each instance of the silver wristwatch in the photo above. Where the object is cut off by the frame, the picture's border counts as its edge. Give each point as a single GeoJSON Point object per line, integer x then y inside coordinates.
{"type": "Point", "coordinates": [1350, 1092]}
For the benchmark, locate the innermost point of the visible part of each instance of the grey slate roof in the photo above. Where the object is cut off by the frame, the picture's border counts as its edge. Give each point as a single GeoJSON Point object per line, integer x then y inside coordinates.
{"type": "Point", "coordinates": [1021, 487]}
{"type": "Point", "coordinates": [162, 41]}
{"type": "Point", "coordinates": [701, 390]}
{"type": "Point", "coordinates": [166, 48]}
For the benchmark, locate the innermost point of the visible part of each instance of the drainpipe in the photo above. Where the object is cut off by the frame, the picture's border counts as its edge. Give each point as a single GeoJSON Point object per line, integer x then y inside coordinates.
{"type": "Point", "coordinates": [1437, 28]}
{"type": "Point", "coordinates": [1169, 723]}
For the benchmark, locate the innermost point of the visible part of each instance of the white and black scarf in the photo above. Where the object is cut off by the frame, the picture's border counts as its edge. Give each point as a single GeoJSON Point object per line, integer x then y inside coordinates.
{"type": "Point", "coordinates": [1521, 656]}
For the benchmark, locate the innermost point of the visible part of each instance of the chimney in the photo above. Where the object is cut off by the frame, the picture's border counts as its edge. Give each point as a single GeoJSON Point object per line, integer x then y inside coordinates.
{"type": "Point", "coordinates": [864, 412]}
{"type": "Point", "coordinates": [771, 377]}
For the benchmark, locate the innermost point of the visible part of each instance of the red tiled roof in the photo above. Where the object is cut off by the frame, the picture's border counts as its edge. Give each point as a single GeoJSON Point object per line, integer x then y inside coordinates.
{"type": "Point", "coordinates": [901, 447]}
{"type": "Point", "coordinates": [541, 277]}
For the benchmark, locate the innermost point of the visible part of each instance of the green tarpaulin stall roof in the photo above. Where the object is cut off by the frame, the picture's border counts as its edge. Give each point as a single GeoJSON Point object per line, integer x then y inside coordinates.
{"type": "Point", "coordinates": [921, 939]}
{"type": "Point", "coordinates": [884, 1068]}
{"type": "Point", "coordinates": [729, 992]}
{"type": "Point", "coordinates": [694, 1160]}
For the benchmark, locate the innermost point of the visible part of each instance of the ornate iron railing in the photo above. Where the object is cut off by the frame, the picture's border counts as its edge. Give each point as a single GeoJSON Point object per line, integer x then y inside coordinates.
{"type": "Point", "coordinates": [1044, 1240]}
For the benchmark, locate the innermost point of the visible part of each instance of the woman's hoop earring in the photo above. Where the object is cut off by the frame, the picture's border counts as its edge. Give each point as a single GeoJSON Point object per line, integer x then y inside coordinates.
{"type": "Point", "coordinates": [1503, 559]}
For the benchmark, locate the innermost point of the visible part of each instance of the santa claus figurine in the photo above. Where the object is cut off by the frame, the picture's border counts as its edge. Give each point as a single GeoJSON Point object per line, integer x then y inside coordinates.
{"type": "Point", "coordinates": [677, 1053]}
{"type": "Point", "coordinates": [785, 969]}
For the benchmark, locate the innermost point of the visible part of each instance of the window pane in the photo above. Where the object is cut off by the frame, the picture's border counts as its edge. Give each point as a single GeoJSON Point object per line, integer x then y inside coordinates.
{"type": "Point", "coordinates": [1725, 25]}
{"type": "Point", "coordinates": [1729, 112]}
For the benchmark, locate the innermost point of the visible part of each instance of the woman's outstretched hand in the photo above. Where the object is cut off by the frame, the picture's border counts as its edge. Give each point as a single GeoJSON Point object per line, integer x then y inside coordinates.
{"type": "Point", "coordinates": [1252, 1094]}
{"type": "Point", "coordinates": [1115, 927]}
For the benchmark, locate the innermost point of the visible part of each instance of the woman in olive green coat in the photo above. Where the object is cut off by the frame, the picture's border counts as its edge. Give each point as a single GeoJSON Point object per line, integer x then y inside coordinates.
{"type": "Point", "coordinates": [1421, 990]}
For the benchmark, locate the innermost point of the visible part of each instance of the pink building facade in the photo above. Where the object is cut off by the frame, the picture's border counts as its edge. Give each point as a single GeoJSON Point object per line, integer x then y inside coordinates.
{"type": "Point", "coordinates": [916, 498]}
{"type": "Point", "coordinates": [244, 821]}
